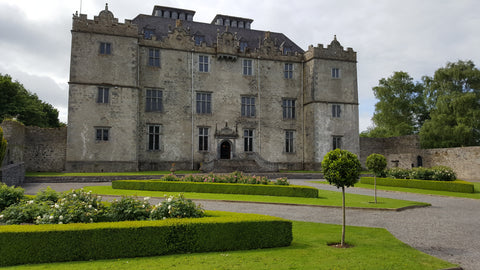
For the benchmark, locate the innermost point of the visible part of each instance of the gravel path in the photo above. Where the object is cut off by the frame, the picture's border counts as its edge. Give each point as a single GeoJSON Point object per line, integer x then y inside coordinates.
{"type": "Point", "coordinates": [449, 229]}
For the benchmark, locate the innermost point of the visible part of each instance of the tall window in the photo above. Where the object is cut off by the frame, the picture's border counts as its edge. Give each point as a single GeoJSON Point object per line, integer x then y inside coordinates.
{"type": "Point", "coordinates": [154, 101]}
{"type": "Point", "coordinates": [204, 103]}
{"type": "Point", "coordinates": [243, 46]}
{"type": "Point", "coordinates": [199, 40]}
{"type": "Point", "coordinates": [102, 134]}
{"type": "Point", "coordinates": [105, 48]}
{"type": "Point", "coordinates": [248, 140]}
{"type": "Point", "coordinates": [335, 73]}
{"type": "Point", "coordinates": [203, 139]}
{"type": "Point", "coordinates": [337, 142]}
{"type": "Point", "coordinates": [288, 108]}
{"type": "Point", "coordinates": [248, 106]}
{"type": "Point", "coordinates": [154, 57]}
{"type": "Point", "coordinates": [154, 137]}
{"type": "Point", "coordinates": [288, 71]}
{"type": "Point", "coordinates": [247, 67]}
{"type": "Point", "coordinates": [289, 143]}
{"type": "Point", "coordinates": [336, 110]}
{"type": "Point", "coordinates": [103, 95]}
{"type": "Point", "coordinates": [203, 63]}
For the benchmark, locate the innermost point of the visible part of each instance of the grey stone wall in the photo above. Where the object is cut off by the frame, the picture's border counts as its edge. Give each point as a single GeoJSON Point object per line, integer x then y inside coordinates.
{"type": "Point", "coordinates": [13, 174]}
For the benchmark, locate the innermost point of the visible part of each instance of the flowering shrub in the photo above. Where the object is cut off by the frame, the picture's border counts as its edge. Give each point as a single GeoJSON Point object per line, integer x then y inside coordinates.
{"type": "Point", "coordinates": [439, 173]}
{"type": "Point", "coordinates": [47, 195]}
{"type": "Point", "coordinates": [421, 173]}
{"type": "Point", "coordinates": [24, 212]}
{"type": "Point", "coordinates": [443, 173]}
{"type": "Point", "coordinates": [235, 177]}
{"type": "Point", "coordinates": [281, 181]}
{"type": "Point", "coordinates": [129, 209]}
{"type": "Point", "coordinates": [10, 195]}
{"type": "Point", "coordinates": [176, 207]}
{"type": "Point", "coordinates": [398, 173]}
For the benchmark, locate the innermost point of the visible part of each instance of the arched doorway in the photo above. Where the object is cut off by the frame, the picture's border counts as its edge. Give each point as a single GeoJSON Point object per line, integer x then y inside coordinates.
{"type": "Point", "coordinates": [225, 150]}
{"type": "Point", "coordinates": [419, 161]}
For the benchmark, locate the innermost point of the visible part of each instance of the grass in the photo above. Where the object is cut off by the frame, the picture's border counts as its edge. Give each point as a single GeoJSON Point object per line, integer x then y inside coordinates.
{"type": "Point", "coordinates": [326, 198]}
{"type": "Point", "coordinates": [475, 195]}
{"type": "Point", "coordinates": [57, 174]}
{"type": "Point", "coordinates": [374, 248]}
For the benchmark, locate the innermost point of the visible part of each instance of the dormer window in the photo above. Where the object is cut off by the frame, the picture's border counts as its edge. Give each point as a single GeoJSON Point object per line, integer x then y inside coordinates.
{"type": "Point", "coordinates": [287, 50]}
{"type": "Point", "coordinates": [199, 40]}
{"type": "Point", "coordinates": [147, 33]}
{"type": "Point", "coordinates": [243, 46]}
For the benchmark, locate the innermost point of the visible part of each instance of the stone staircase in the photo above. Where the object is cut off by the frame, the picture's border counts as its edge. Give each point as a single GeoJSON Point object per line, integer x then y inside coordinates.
{"type": "Point", "coordinates": [250, 162]}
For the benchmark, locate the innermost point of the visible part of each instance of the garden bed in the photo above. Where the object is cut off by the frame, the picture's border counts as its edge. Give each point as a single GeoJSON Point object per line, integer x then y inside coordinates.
{"type": "Point", "coordinates": [452, 186]}
{"type": "Point", "coordinates": [226, 188]}
{"type": "Point", "coordinates": [219, 231]}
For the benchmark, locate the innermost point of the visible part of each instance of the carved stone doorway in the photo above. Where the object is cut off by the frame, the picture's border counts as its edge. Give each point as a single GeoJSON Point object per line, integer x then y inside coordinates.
{"type": "Point", "coordinates": [225, 150]}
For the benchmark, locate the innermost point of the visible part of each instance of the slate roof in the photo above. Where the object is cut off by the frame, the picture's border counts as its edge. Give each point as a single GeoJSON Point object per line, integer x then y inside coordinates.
{"type": "Point", "coordinates": [161, 26]}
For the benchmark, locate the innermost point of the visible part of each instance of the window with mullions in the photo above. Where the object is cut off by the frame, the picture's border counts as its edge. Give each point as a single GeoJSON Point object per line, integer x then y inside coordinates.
{"type": "Point", "coordinates": [289, 143]}
{"type": "Point", "coordinates": [247, 67]}
{"type": "Point", "coordinates": [336, 110]}
{"type": "Point", "coordinates": [248, 106]}
{"type": "Point", "coordinates": [337, 142]}
{"type": "Point", "coordinates": [248, 140]}
{"type": "Point", "coordinates": [154, 100]}
{"type": "Point", "coordinates": [103, 95]}
{"type": "Point", "coordinates": [288, 108]}
{"type": "Point", "coordinates": [335, 73]}
{"type": "Point", "coordinates": [154, 57]}
{"type": "Point", "coordinates": [203, 63]}
{"type": "Point", "coordinates": [204, 103]}
{"type": "Point", "coordinates": [288, 71]}
{"type": "Point", "coordinates": [102, 134]}
{"type": "Point", "coordinates": [199, 40]}
{"type": "Point", "coordinates": [154, 137]}
{"type": "Point", "coordinates": [203, 139]}
{"type": "Point", "coordinates": [105, 48]}
{"type": "Point", "coordinates": [243, 46]}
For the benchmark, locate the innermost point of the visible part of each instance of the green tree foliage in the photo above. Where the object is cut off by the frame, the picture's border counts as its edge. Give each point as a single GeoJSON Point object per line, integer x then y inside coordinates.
{"type": "Point", "coordinates": [341, 168]}
{"type": "Point", "coordinates": [376, 163]}
{"type": "Point", "coordinates": [16, 101]}
{"type": "Point", "coordinates": [400, 109]}
{"type": "Point", "coordinates": [453, 94]}
{"type": "Point", "coordinates": [3, 146]}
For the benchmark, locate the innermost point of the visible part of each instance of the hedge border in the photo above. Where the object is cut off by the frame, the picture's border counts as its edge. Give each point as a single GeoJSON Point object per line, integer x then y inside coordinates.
{"type": "Point", "coordinates": [225, 188]}
{"type": "Point", "coordinates": [452, 186]}
{"type": "Point", "coordinates": [220, 231]}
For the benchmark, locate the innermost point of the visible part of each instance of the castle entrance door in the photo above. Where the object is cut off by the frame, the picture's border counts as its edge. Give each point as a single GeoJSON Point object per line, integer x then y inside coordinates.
{"type": "Point", "coordinates": [225, 150]}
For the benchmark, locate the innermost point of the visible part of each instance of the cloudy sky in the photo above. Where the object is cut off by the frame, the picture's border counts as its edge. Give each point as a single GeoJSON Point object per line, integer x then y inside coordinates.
{"type": "Point", "coordinates": [414, 36]}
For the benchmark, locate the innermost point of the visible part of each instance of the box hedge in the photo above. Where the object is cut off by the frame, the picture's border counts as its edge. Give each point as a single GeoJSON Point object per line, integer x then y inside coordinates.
{"type": "Point", "coordinates": [220, 231]}
{"type": "Point", "coordinates": [453, 186]}
{"type": "Point", "coordinates": [173, 186]}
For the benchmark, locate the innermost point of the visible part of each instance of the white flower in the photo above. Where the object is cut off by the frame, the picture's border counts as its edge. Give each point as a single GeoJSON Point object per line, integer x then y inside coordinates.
{"type": "Point", "coordinates": [57, 206]}
{"type": "Point", "coordinates": [60, 222]}
{"type": "Point", "coordinates": [74, 195]}
{"type": "Point", "coordinates": [39, 217]}
{"type": "Point", "coordinates": [169, 199]}
{"type": "Point", "coordinates": [169, 207]}
{"type": "Point", "coordinates": [143, 205]}
{"type": "Point", "coordinates": [89, 206]}
{"type": "Point", "coordinates": [1, 216]}
{"type": "Point", "coordinates": [30, 202]}
{"type": "Point", "coordinates": [51, 217]}
{"type": "Point", "coordinates": [164, 217]}
{"type": "Point", "coordinates": [60, 217]}
{"type": "Point", "coordinates": [146, 198]}
{"type": "Point", "coordinates": [91, 220]}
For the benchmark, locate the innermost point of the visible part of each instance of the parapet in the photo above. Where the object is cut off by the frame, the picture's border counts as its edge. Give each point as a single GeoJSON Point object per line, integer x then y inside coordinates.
{"type": "Point", "coordinates": [334, 51]}
{"type": "Point", "coordinates": [104, 23]}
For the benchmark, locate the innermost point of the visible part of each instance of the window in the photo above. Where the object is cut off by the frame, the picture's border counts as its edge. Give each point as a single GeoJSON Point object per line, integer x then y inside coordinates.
{"type": "Point", "coordinates": [203, 63]}
{"type": "Point", "coordinates": [102, 134]}
{"type": "Point", "coordinates": [147, 33]}
{"type": "Point", "coordinates": [288, 108]}
{"type": "Point", "coordinates": [154, 57]}
{"type": "Point", "coordinates": [105, 48]}
{"type": "Point", "coordinates": [204, 103]}
{"type": "Point", "coordinates": [199, 40]}
{"type": "Point", "coordinates": [336, 110]}
{"type": "Point", "coordinates": [243, 46]}
{"type": "Point", "coordinates": [287, 50]}
{"type": "Point", "coordinates": [203, 139]}
{"type": "Point", "coordinates": [247, 67]}
{"type": "Point", "coordinates": [154, 137]}
{"type": "Point", "coordinates": [248, 106]}
{"type": "Point", "coordinates": [154, 101]}
{"type": "Point", "coordinates": [248, 140]}
{"type": "Point", "coordinates": [337, 142]}
{"type": "Point", "coordinates": [289, 136]}
{"type": "Point", "coordinates": [102, 95]}
{"type": "Point", "coordinates": [288, 71]}
{"type": "Point", "coordinates": [335, 73]}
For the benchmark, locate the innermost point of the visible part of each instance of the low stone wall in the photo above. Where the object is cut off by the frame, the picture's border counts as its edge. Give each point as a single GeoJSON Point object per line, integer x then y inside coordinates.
{"type": "Point", "coordinates": [13, 174]}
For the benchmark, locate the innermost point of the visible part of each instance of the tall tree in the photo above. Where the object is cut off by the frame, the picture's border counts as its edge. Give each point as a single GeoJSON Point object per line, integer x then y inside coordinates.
{"type": "Point", "coordinates": [400, 109]}
{"type": "Point", "coordinates": [453, 96]}
{"type": "Point", "coordinates": [16, 101]}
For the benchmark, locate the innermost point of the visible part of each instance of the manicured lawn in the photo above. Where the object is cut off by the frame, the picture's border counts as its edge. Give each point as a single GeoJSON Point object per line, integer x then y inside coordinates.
{"type": "Point", "coordinates": [326, 198]}
{"type": "Point", "coordinates": [53, 174]}
{"type": "Point", "coordinates": [373, 249]}
{"type": "Point", "coordinates": [475, 195]}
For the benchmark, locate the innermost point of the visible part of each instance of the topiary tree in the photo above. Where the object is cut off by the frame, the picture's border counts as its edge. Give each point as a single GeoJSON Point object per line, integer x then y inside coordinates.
{"type": "Point", "coordinates": [3, 146]}
{"type": "Point", "coordinates": [376, 163]}
{"type": "Point", "coordinates": [342, 169]}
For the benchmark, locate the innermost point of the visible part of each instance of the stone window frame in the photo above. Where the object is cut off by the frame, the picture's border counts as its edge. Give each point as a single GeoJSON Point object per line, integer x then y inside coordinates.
{"type": "Point", "coordinates": [289, 141]}
{"type": "Point", "coordinates": [248, 136]}
{"type": "Point", "coordinates": [203, 102]}
{"type": "Point", "coordinates": [204, 63]}
{"type": "Point", "coordinates": [288, 71]}
{"type": "Point", "coordinates": [243, 45]}
{"type": "Point", "coordinates": [203, 135]}
{"type": "Point", "coordinates": [247, 67]}
{"type": "Point", "coordinates": [153, 57]}
{"type": "Point", "coordinates": [154, 137]}
{"type": "Point", "coordinates": [288, 108]}
{"type": "Point", "coordinates": [103, 95]}
{"type": "Point", "coordinates": [248, 106]}
{"type": "Point", "coordinates": [336, 73]}
{"type": "Point", "coordinates": [154, 100]}
{"type": "Point", "coordinates": [336, 110]}
{"type": "Point", "coordinates": [336, 142]}
{"type": "Point", "coordinates": [105, 48]}
{"type": "Point", "coordinates": [102, 134]}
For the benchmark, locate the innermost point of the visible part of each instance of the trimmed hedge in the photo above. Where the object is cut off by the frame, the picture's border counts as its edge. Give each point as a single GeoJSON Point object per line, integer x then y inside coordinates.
{"type": "Point", "coordinates": [221, 231]}
{"type": "Point", "coordinates": [453, 186]}
{"type": "Point", "coordinates": [174, 186]}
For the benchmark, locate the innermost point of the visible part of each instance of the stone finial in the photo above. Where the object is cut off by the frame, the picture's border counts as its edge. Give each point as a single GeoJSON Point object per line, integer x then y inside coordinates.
{"type": "Point", "coordinates": [106, 6]}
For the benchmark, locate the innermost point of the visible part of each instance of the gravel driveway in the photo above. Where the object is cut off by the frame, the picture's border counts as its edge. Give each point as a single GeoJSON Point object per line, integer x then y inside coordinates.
{"type": "Point", "coordinates": [449, 229]}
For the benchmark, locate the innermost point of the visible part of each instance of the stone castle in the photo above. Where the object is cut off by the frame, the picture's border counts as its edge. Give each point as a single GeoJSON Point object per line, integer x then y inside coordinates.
{"type": "Point", "coordinates": [163, 89]}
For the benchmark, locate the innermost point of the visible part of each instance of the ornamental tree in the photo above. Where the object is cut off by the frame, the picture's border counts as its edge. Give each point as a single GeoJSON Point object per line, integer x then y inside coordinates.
{"type": "Point", "coordinates": [376, 163]}
{"type": "Point", "coordinates": [341, 168]}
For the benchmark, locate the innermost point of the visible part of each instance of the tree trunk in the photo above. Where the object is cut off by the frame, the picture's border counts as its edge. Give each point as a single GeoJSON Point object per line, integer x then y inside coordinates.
{"type": "Point", "coordinates": [343, 220]}
{"type": "Point", "coordinates": [375, 187]}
